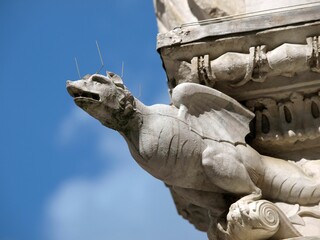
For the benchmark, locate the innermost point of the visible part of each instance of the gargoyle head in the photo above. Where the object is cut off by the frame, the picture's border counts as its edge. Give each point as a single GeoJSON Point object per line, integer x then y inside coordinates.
{"type": "Point", "coordinates": [105, 98]}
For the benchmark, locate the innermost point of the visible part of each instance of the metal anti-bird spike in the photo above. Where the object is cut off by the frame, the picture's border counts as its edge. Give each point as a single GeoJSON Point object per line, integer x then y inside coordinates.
{"type": "Point", "coordinates": [101, 60]}
{"type": "Point", "coordinates": [97, 72]}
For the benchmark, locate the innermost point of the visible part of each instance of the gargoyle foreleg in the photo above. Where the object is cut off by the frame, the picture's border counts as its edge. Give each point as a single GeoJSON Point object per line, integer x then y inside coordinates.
{"type": "Point", "coordinates": [226, 171]}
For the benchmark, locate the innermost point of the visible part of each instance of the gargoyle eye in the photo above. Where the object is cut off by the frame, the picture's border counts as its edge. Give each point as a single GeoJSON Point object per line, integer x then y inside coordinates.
{"type": "Point", "coordinates": [99, 79]}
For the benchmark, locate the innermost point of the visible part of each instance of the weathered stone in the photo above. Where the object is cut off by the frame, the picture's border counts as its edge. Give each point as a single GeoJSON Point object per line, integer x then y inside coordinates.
{"type": "Point", "coordinates": [197, 147]}
{"type": "Point", "coordinates": [264, 69]}
{"type": "Point", "coordinates": [269, 61]}
{"type": "Point", "coordinates": [223, 148]}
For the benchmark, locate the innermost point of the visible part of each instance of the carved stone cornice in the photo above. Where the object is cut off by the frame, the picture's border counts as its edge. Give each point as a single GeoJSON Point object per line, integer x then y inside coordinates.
{"type": "Point", "coordinates": [257, 65]}
{"type": "Point", "coordinates": [290, 122]}
{"type": "Point", "coordinates": [270, 63]}
{"type": "Point", "coordinates": [272, 66]}
{"type": "Point", "coordinates": [238, 24]}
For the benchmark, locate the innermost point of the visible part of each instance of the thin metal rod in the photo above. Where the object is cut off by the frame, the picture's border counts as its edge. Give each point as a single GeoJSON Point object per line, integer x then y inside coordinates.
{"type": "Point", "coordinates": [140, 91]}
{"type": "Point", "coordinates": [101, 60]}
{"type": "Point", "coordinates": [122, 69]}
{"type": "Point", "coordinates": [75, 59]}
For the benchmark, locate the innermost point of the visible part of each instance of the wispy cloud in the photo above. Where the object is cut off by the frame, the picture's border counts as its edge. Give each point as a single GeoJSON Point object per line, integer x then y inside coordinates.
{"type": "Point", "coordinates": [128, 204]}
{"type": "Point", "coordinates": [108, 144]}
{"type": "Point", "coordinates": [69, 127]}
{"type": "Point", "coordinates": [111, 143]}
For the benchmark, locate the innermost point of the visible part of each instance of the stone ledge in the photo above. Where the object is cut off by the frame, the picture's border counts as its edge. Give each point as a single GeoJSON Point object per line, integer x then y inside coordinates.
{"type": "Point", "coordinates": [238, 24]}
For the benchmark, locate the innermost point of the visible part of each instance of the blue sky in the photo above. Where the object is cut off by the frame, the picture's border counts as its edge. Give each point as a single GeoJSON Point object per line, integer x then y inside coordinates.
{"type": "Point", "coordinates": [63, 176]}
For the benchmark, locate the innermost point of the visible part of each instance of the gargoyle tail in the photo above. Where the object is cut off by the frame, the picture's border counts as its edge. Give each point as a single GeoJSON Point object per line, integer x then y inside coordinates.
{"type": "Point", "coordinates": [288, 182]}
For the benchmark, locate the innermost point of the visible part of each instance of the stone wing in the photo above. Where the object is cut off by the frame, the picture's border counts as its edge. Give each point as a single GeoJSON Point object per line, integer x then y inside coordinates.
{"type": "Point", "coordinates": [212, 114]}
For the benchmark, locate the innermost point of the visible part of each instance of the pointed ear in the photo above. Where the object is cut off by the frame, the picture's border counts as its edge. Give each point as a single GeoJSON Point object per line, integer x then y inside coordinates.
{"type": "Point", "coordinates": [116, 79]}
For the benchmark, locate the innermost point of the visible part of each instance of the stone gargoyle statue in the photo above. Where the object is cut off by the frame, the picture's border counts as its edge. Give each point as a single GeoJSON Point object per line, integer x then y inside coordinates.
{"type": "Point", "coordinates": [197, 147]}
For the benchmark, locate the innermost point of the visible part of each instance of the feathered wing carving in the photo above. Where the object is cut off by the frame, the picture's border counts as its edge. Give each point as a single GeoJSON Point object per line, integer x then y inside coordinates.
{"type": "Point", "coordinates": [212, 114]}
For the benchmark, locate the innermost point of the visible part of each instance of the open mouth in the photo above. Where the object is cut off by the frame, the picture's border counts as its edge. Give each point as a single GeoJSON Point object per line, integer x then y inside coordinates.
{"type": "Point", "coordinates": [84, 94]}
{"type": "Point", "coordinates": [81, 94]}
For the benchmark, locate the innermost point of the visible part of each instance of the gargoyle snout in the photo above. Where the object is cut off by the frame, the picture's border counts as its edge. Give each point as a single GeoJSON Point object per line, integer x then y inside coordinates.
{"type": "Point", "coordinates": [70, 87]}
{"type": "Point", "coordinates": [75, 84]}
{"type": "Point", "coordinates": [74, 87]}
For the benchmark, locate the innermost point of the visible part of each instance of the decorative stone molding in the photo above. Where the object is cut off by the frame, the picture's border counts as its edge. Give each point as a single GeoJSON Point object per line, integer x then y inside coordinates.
{"type": "Point", "coordinates": [290, 120]}
{"type": "Point", "coordinates": [198, 71]}
{"type": "Point", "coordinates": [193, 31]}
{"type": "Point", "coordinates": [314, 62]}
{"type": "Point", "coordinates": [259, 64]}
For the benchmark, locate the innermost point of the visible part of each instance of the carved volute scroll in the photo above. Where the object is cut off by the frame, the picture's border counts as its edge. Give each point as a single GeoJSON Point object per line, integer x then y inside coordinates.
{"type": "Point", "coordinates": [259, 220]}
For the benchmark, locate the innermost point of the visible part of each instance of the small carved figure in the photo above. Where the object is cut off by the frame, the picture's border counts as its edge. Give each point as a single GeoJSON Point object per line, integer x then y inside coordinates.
{"type": "Point", "coordinates": [197, 147]}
